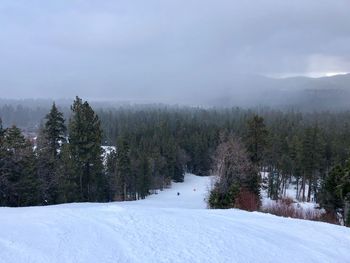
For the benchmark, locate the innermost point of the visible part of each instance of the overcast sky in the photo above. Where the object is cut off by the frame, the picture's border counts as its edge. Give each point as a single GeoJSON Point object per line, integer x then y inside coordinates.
{"type": "Point", "coordinates": [134, 49]}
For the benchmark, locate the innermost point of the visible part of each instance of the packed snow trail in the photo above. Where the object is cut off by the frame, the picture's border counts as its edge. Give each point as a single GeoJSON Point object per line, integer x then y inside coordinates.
{"type": "Point", "coordinates": [164, 228]}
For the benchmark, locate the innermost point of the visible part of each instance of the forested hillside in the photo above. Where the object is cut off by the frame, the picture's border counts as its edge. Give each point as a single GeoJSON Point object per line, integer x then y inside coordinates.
{"type": "Point", "coordinates": [157, 144]}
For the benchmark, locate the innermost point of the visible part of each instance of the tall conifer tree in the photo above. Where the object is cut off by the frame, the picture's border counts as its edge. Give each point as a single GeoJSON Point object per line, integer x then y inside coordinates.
{"type": "Point", "coordinates": [18, 177]}
{"type": "Point", "coordinates": [256, 139]}
{"type": "Point", "coordinates": [50, 140]}
{"type": "Point", "coordinates": [85, 136]}
{"type": "Point", "coordinates": [123, 168]}
{"type": "Point", "coordinates": [55, 129]}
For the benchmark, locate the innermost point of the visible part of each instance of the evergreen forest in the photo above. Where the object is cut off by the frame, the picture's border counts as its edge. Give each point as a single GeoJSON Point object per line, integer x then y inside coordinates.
{"type": "Point", "coordinates": [154, 145]}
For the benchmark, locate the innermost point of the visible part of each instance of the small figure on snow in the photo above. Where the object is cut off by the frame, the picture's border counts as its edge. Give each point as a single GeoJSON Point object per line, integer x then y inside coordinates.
{"type": "Point", "coordinates": [178, 193]}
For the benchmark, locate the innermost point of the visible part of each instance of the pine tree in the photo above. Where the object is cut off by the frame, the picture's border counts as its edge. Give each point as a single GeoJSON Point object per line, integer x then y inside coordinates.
{"type": "Point", "coordinates": [335, 192]}
{"type": "Point", "coordinates": [312, 151]}
{"type": "Point", "coordinates": [29, 184]}
{"type": "Point", "coordinates": [111, 175]}
{"type": "Point", "coordinates": [55, 129]}
{"type": "Point", "coordinates": [67, 187]}
{"type": "Point", "coordinates": [256, 139]}
{"type": "Point", "coordinates": [331, 198]}
{"type": "Point", "coordinates": [123, 169]}
{"type": "Point", "coordinates": [3, 179]}
{"type": "Point", "coordinates": [49, 142]}
{"type": "Point", "coordinates": [143, 178]}
{"type": "Point", "coordinates": [1, 131]}
{"type": "Point", "coordinates": [18, 175]}
{"type": "Point", "coordinates": [295, 155]}
{"type": "Point", "coordinates": [47, 166]}
{"type": "Point", "coordinates": [85, 137]}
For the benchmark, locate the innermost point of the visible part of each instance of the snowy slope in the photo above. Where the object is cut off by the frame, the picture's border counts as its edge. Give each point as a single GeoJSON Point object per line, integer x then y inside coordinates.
{"type": "Point", "coordinates": [164, 228]}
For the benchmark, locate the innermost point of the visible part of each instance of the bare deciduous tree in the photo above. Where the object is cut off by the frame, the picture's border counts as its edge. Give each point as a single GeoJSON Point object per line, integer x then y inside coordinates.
{"type": "Point", "coordinates": [233, 165]}
{"type": "Point", "coordinates": [235, 172]}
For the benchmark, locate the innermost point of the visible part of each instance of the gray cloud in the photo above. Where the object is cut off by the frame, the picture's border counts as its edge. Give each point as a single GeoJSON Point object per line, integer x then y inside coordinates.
{"type": "Point", "coordinates": [158, 49]}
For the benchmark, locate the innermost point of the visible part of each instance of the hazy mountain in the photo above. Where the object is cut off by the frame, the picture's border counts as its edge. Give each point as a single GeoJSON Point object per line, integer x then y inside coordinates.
{"type": "Point", "coordinates": [299, 92]}
{"type": "Point", "coordinates": [302, 93]}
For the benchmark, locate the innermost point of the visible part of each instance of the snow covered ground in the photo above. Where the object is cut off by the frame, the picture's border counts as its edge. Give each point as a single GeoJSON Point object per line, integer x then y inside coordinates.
{"type": "Point", "coordinates": [290, 193]}
{"type": "Point", "coordinates": [164, 228]}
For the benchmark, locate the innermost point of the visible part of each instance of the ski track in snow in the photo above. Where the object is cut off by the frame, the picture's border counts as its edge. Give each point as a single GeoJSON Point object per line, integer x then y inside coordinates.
{"type": "Point", "coordinates": [164, 228]}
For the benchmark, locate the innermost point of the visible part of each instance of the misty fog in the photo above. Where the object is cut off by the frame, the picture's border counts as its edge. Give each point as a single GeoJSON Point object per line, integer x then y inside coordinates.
{"type": "Point", "coordinates": [176, 52]}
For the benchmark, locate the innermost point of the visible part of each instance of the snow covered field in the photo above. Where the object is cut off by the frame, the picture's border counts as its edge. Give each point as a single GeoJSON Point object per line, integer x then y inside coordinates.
{"type": "Point", "coordinates": [164, 228]}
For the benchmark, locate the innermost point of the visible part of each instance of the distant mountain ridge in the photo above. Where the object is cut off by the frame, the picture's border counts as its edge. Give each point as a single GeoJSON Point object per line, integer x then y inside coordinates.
{"type": "Point", "coordinates": [247, 91]}
{"type": "Point", "coordinates": [303, 93]}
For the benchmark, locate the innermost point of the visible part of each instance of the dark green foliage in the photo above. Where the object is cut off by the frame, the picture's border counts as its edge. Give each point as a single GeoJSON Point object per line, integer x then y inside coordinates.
{"type": "Point", "coordinates": [331, 198]}
{"type": "Point", "coordinates": [223, 200]}
{"type": "Point", "coordinates": [68, 180]}
{"type": "Point", "coordinates": [125, 179]}
{"type": "Point", "coordinates": [312, 158]}
{"type": "Point", "coordinates": [148, 157]}
{"type": "Point", "coordinates": [143, 177]}
{"type": "Point", "coordinates": [298, 148]}
{"type": "Point", "coordinates": [335, 193]}
{"type": "Point", "coordinates": [183, 141]}
{"type": "Point", "coordinates": [54, 130]}
{"type": "Point", "coordinates": [159, 144]}
{"type": "Point", "coordinates": [50, 139]}
{"type": "Point", "coordinates": [111, 175]}
{"type": "Point", "coordinates": [85, 137]}
{"type": "Point", "coordinates": [273, 185]}
{"type": "Point", "coordinates": [47, 169]}
{"type": "Point", "coordinates": [256, 138]}
{"type": "Point", "coordinates": [1, 131]}
{"type": "Point", "coordinates": [18, 177]}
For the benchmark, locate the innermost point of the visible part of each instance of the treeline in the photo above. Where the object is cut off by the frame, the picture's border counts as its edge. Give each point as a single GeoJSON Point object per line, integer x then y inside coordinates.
{"type": "Point", "coordinates": [295, 148]}
{"type": "Point", "coordinates": [303, 146]}
{"type": "Point", "coordinates": [66, 162]}
{"type": "Point", "coordinates": [158, 144]}
{"type": "Point", "coordinates": [53, 170]}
